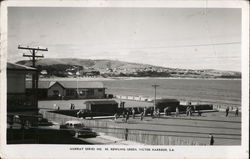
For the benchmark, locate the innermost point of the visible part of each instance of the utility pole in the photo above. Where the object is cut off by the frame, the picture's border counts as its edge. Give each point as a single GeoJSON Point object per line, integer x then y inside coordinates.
{"type": "Point", "coordinates": [155, 86]}
{"type": "Point", "coordinates": [33, 51]}
{"type": "Point", "coordinates": [35, 76]}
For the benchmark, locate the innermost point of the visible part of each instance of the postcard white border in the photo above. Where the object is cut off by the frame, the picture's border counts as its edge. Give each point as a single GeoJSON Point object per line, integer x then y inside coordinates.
{"type": "Point", "coordinates": [62, 151]}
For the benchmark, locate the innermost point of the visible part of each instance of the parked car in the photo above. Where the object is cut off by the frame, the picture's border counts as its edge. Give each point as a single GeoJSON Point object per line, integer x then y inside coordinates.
{"type": "Point", "coordinates": [78, 129]}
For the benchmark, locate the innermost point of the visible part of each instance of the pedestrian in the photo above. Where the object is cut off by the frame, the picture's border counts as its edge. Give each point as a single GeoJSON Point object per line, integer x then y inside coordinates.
{"type": "Point", "coordinates": [165, 111]}
{"type": "Point", "coordinates": [54, 106]}
{"type": "Point", "coordinates": [126, 133]}
{"type": "Point", "coordinates": [199, 112]}
{"type": "Point", "coordinates": [71, 106]}
{"type": "Point", "coordinates": [116, 116]}
{"type": "Point", "coordinates": [78, 114]}
{"type": "Point", "coordinates": [152, 112]}
{"type": "Point", "coordinates": [158, 112]}
{"type": "Point", "coordinates": [187, 110]}
{"type": "Point", "coordinates": [237, 111]}
{"type": "Point", "coordinates": [123, 114]}
{"type": "Point", "coordinates": [168, 111]}
{"type": "Point", "coordinates": [190, 111]}
{"type": "Point", "coordinates": [58, 108]}
{"type": "Point", "coordinates": [211, 139]}
{"type": "Point", "coordinates": [133, 113]}
{"type": "Point", "coordinates": [155, 113]}
{"type": "Point", "coordinates": [127, 117]}
{"type": "Point", "coordinates": [227, 111]}
{"type": "Point", "coordinates": [176, 111]}
{"type": "Point", "coordinates": [145, 111]}
{"type": "Point", "coordinates": [138, 109]}
{"type": "Point", "coordinates": [142, 115]}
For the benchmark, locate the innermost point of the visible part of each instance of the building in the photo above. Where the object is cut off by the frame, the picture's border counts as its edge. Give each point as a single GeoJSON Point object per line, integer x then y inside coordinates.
{"type": "Point", "coordinates": [163, 103]}
{"type": "Point", "coordinates": [69, 90]}
{"type": "Point", "coordinates": [18, 102]}
{"type": "Point", "coordinates": [102, 107]}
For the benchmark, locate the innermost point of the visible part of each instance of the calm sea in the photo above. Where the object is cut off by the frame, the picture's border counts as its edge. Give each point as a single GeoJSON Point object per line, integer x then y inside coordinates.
{"type": "Point", "coordinates": [219, 91]}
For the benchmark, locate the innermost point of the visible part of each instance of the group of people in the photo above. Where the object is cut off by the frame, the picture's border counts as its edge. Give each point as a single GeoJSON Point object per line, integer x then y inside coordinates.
{"type": "Point", "coordinates": [142, 112]}
{"type": "Point", "coordinates": [189, 110]}
{"type": "Point", "coordinates": [72, 106]}
{"type": "Point", "coordinates": [236, 111]}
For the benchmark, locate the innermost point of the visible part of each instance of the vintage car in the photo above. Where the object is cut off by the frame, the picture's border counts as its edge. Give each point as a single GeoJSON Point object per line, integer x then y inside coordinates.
{"type": "Point", "coordinates": [78, 129]}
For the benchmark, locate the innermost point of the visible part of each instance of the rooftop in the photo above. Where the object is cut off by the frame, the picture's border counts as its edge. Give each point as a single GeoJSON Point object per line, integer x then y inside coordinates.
{"type": "Point", "coordinates": [100, 102]}
{"type": "Point", "coordinates": [12, 66]}
{"type": "Point", "coordinates": [41, 84]}
{"type": "Point", "coordinates": [81, 84]}
{"type": "Point", "coordinates": [67, 84]}
{"type": "Point", "coordinates": [163, 100]}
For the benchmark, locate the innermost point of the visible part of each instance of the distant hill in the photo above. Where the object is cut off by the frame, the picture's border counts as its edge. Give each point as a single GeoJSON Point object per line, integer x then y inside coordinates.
{"type": "Point", "coordinates": [66, 67]}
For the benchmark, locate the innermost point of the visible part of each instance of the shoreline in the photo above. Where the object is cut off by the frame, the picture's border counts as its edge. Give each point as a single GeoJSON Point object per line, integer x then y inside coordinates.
{"type": "Point", "coordinates": [128, 78]}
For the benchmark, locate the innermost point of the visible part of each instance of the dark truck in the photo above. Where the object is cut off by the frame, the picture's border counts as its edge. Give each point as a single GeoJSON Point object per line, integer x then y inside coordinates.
{"type": "Point", "coordinates": [78, 129]}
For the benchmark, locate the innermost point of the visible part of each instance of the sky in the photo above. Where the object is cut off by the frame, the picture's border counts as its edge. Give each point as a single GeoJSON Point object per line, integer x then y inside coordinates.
{"type": "Point", "coordinates": [190, 38]}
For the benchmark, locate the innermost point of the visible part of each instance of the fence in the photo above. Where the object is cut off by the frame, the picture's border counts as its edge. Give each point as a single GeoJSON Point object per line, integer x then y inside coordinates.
{"type": "Point", "coordinates": [109, 128]}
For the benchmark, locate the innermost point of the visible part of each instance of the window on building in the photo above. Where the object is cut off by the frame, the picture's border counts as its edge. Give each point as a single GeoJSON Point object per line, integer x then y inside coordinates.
{"type": "Point", "coordinates": [99, 90]}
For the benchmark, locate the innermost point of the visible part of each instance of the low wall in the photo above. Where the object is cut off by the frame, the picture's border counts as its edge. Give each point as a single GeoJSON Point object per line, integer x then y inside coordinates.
{"type": "Point", "coordinates": [109, 128]}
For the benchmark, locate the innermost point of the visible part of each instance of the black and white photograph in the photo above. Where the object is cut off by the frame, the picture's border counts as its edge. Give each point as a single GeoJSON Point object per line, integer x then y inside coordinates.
{"type": "Point", "coordinates": [124, 77]}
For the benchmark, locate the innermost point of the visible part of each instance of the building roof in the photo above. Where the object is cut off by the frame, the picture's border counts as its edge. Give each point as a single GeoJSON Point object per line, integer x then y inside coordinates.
{"type": "Point", "coordinates": [81, 84]}
{"type": "Point", "coordinates": [100, 102]}
{"type": "Point", "coordinates": [67, 84]}
{"type": "Point", "coordinates": [166, 100]}
{"type": "Point", "coordinates": [41, 84]}
{"type": "Point", "coordinates": [18, 67]}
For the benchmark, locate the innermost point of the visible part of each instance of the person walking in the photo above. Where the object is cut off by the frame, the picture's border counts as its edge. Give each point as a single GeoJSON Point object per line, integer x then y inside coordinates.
{"type": "Point", "coordinates": [142, 115]}
{"type": "Point", "coordinates": [168, 111]}
{"type": "Point", "coordinates": [145, 111]}
{"type": "Point", "coordinates": [133, 113]}
{"type": "Point", "coordinates": [227, 111]}
{"type": "Point", "coordinates": [211, 142]}
{"type": "Point", "coordinates": [155, 113]}
{"type": "Point", "coordinates": [158, 112]}
{"type": "Point", "coordinates": [116, 116]}
{"type": "Point", "coordinates": [126, 134]}
{"type": "Point", "coordinates": [55, 107]}
{"type": "Point", "coordinates": [187, 110]}
{"type": "Point", "coordinates": [78, 114]}
{"type": "Point", "coordinates": [123, 114]}
{"type": "Point", "coordinates": [237, 111]}
{"type": "Point", "coordinates": [176, 111]}
{"type": "Point", "coordinates": [165, 111]}
{"type": "Point", "coordinates": [152, 112]}
{"type": "Point", "coordinates": [127, 117]}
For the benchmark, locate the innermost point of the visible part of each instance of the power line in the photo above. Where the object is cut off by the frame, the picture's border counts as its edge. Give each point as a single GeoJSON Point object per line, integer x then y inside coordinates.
{"type": "Point", "coordinates": [194, 45]}
{"type": "Point", "coordinates": [175, 46]}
